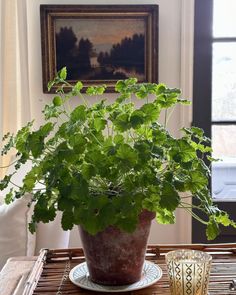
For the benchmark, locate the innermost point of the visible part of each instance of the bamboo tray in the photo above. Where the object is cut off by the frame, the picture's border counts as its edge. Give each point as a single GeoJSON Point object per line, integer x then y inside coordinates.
{"type": "Point", "coordinates": [50, 273]}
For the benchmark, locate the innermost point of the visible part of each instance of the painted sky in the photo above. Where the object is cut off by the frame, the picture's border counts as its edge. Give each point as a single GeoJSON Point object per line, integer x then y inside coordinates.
{"type": "Point", "coordinates": [103, 33]}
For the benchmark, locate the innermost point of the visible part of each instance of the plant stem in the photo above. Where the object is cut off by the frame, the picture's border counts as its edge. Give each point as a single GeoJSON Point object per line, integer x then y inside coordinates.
{"type": "Point", "coordinates": [194, 215]}
{"type": "Point", "coordinates": [187, 197]}
{"type": "Point", "coordinates": [165, 122]}
{"type": "Point", "coordinates": [14, 184]}
{"type": "Point", "coordinates": [84, 100]}
{"type": "Point", "coordinates": [2, 167]}
{"type": "Point", "coordinates": [108, 129]}
{"type": "Point", "coordinates": [169, 115]}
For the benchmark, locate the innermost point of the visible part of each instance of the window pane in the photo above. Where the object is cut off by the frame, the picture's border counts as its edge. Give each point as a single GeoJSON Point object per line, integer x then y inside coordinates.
{"type": "Point", "coordinates": [224, 141]}
{"type": "Point", "coordinates": [224, 82]}
{"type": "Point", "coordinates": [224, 172]}
{"type": "Point", "coordinates": [224, 21]}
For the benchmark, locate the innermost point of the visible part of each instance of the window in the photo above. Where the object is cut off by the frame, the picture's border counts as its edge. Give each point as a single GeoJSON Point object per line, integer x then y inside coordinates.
{"type": "Point", "coordinates": [214, 97]}
{"type": "Point", "coordinates": [223, 114]}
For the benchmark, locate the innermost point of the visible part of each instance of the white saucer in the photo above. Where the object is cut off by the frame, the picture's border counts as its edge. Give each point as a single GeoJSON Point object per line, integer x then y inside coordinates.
{"type": "Point", "coordinates": [151, 274]}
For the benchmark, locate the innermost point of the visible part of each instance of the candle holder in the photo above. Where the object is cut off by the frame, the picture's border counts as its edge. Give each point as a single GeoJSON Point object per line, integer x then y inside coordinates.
{"type": "Point", "coordinates": [188, 271]}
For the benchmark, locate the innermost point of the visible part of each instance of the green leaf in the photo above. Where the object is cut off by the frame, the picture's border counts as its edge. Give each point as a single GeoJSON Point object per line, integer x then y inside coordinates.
{"type": "Point", "coordinates": [223, 218]}
{"type": "Point", "coordinates": [78, 143]}
{"type": "Point", "coordinates": [30, 179]}
{"type": "Point", "coordinates": [44, 130]}
{"type": "Point", "coordinates": [5, 181]}
{"type": "Point", "coordinates": [123, 97]}
{"type": "Point", "coordinates": [123, 86]}
{"type": "Point", "coordinates": [131, 81]}
{"type": "Point", "coordinates": [101, 214]}
{"type": "Point", "coordinates": [63, 73]}
{"type": "Point", "coordinates": [127, 212]}
{"type": "Point", "coordinates": [168, 98]}
{"type": "Point", "coordinates": [88, 171]}
{"type": "Point", "coordinates": [151, 202]}
{"type": "Point", "coordinates": [160, 88]}
{"type": "Point", "coordinates": [142, 92]}
{"type": "Point", "coordinates": [95, 217]}
{"type": "Point", "coordinates": [6, 136]}
{"type": "Point", "coordinates": [78, 114]}
{"type": "Point", "coordinates": [151, 112]}
{"type": "Point", "coordinates": [35, 144]}
{"type": "Point", "coordinates": [81, 189]}
{"type": "Point", "coordinates": [90, 90]}
{"type": "Point", "coordinates": [77, 88]}
{"type": "Point", "coordinates": [95, 157]}
{"type": "Point", "coordinates": [209, 158]}
{"type": "Point", "coordinates": [183, 151]}
{"type": "Point", "coordinates": [65, 204]}
{"type": "Point", "coordinates": [21, 137]}
{"type": "Point", "coordinates": [197, 181]}
{"type": "Point", "coordinates": [64, 153]}
{"type": "Point", "coordinates": [95, 90]}
{"type": "Point", "coordinates": [184, 101]}
{"type": "Point", "coordinates": [212, 230]}
{"type": "Point", "coordinates": [118, 139]}
{"type": "Point", "coordinates": [57, 101]}
{"type": "Point", "coordinates": [197, 131]}
{"type": "Point", "coordinates": [127, 154]}
{"type": "Point", "coordinates": [137, 118]}
{"type": "Point", "coordinates": [20, 193]}
{"type": "Point", "coordinates": [169, 197]}
{"type": "Point", "coordinates": [187, 152]}
{"type": "Point", "coordinates": [107, 215]}
{"type": "Point", "coordinates": [122, 122]}
{"type": "Point", "coordinates": [157, 152]}
{"type": "Point", "coordinates": [159, 135]}
{"type": "Point", "coordinates": [99, 124]}
{"type": "Point", "coordinates": [128, 224]}
{"type": "Point", "coordinates": [179, 184]}
{"type": "Point", "coordinates": [91, 224]}
{"type": "Point", "coordinates": [50, 84]}
{"type": "Point", "coordinates": [9, 197]}
{"type": "Point", "coordinates": [42, 212]}
{"type": "Point", "coordinates": [165, 216]}
{"type": "Point", "coordinates": [51, 111]}
{"type": "Point", "coordinates": [32, 227]}
{"type": "Point", "coordinates": [67, 220]}
{"type": "Point", "coordinates": [120, 86]}
{"type": "Point", "coordinates": [144, 150]}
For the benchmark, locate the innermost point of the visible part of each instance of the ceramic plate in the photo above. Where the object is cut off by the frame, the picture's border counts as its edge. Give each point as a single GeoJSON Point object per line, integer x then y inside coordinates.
{"type": "Point", "coordinates": [151, 273]}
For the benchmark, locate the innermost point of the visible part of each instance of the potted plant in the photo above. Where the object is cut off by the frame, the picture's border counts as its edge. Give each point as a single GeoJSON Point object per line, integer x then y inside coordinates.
{"type": "Point", "coordinates": [111, 168]}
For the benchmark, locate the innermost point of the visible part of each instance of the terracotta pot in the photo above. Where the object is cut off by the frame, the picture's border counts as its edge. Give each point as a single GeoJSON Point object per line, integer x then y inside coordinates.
{"type": "Point", "coordinates": [115, 257]}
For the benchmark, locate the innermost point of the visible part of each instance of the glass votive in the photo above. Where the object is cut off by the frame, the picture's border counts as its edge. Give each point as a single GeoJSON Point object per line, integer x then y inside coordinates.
{"type": "Point", "coordinates": [188, 272]}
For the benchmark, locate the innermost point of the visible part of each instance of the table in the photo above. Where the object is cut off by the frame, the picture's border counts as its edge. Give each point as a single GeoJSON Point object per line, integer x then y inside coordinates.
{"type": "Point", "coordinates": [49, 273]}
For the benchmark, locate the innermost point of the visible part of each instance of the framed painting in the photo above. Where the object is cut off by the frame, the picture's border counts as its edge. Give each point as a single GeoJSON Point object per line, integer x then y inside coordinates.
{"type": "Point", "coordinates": [99, 44]}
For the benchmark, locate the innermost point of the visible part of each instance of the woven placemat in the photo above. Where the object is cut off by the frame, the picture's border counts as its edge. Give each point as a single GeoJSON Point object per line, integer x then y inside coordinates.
{"type": "Point", "coordinates": [50, 275]}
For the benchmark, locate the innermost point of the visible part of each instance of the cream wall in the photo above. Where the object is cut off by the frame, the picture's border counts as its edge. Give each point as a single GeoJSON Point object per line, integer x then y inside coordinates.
{"type": "Point", "coordinates": [174, 70]}
{"type": "Point", "coordinates": [0, 71]}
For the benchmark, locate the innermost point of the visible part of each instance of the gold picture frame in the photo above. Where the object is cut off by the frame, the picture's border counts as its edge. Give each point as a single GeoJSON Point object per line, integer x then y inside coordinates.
{"type": "Point", "coordinates": [99, 44]}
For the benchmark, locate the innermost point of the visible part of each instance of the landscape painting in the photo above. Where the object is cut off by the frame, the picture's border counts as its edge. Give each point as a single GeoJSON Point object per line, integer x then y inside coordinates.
{"type": "Point", "coordinates": [102, 49]}
{"type": "Point", "coordinates": [99, 44]}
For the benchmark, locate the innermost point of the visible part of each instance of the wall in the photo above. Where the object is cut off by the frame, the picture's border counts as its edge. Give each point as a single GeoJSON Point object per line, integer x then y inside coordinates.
{"type": "Point", "coordinates": [172, 70]}
{"type": "Point", "coordinates": [1, 73]}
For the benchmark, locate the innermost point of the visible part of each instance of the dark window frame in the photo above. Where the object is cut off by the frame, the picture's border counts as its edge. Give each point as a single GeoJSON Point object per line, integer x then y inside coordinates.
{"type": "Point", "coordinates": [202, 100]}
{"type": "Point", "coordinates": [202, 73]}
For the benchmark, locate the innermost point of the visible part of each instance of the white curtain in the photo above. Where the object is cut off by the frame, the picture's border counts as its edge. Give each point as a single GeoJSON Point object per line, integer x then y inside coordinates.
{"type": "Point", "coordinates": [14, 84]}
{"type": "Point", "coordinates": [15, 108]}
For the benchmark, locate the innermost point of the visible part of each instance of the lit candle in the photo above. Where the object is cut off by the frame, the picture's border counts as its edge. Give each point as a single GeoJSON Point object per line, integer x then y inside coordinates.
{"type": "Point", "coordinates": [188, 271]}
